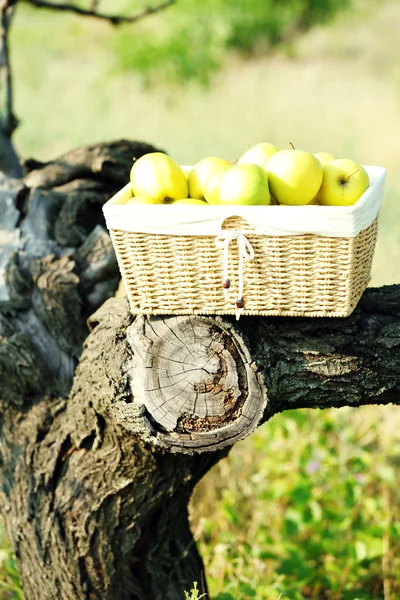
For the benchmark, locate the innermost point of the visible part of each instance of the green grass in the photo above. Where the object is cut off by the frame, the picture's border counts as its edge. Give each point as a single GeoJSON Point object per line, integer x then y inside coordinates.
{"type": "Point", "coordinates": [308, 507]}
{"type": "Point", "coordinates": [10, 586]}
{"type": "Point", "coordinates": [194, 593]}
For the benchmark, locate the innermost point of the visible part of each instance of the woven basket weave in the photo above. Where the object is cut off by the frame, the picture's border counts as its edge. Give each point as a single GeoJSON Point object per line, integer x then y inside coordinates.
{"type": "Point", "coordinates": [299, 275]}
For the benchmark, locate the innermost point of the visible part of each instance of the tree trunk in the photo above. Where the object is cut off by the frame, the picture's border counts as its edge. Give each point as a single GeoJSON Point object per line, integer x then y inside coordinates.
{"type": "Point", "coordinates": [98, 459]}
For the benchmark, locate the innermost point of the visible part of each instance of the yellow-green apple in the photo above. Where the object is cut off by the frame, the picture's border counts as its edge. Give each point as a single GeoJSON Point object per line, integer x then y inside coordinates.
{"type": "Point", "coordinates": [258, 154]}
{"type": "Point", "coordinates": [294, 176]}
{"type": "Point", "coordinates": [202, 172]}
{"type": "Point", "coordinates": [344, 182]}
{"type": "Point", "coordinates": [244, 184]}
{"type": "Point", "coordinates": [190, 201]}
{"type": "Point", "coordinates": [324, 157]}
{"type": "Point", "coordinates": [144, 200]}
{"type": "Point", "coordinates": [211, 187]}
{"type": "Point", "coordinates": [157, 175]}
{"type": "Point", "coordinates": [186, 171]}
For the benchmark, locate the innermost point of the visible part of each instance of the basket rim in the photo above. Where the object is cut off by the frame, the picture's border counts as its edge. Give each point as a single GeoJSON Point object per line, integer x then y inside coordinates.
{"type": "Point", "coordinates": [195, 220]}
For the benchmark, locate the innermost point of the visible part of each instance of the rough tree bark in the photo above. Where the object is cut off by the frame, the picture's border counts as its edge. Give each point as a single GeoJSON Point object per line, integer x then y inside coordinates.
{"type": "Point", "coordinates": [109, 421]}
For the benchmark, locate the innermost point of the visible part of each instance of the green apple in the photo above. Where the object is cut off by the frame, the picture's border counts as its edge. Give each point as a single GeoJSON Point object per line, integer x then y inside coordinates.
{"type": "Point", "coordinates": [294, 176]}
{"type": "Point", "coordinates": [244, 184]}
{"type": "Point", "coordinates": [202, 172]}
{"type": "Point", "coordinates": [157, 175]}
{"type": "Point", "coordinates": [324, 157]}
{"type": "Point", "coordinates": [190, 201]}
{"type": "Point", "coordinates": [258, 155]}
{"type": "Point", "coordinates": [211, 188]}
{"type": "Point", "coordinates": [344, 182]}
{"type": "Point", "coordinates": [144, 200]}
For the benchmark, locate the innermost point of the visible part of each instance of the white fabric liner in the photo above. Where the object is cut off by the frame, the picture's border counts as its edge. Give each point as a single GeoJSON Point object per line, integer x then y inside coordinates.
{"type": "Point", "coordinates": [193, 220]}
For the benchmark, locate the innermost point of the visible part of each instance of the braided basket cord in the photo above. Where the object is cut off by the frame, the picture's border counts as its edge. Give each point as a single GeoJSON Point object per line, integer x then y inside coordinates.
{"type": "Point", "coordinates": [303, 275]}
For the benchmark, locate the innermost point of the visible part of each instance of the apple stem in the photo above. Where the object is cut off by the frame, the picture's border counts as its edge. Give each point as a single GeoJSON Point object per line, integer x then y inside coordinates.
{"type": "Point", "coordinates": [293, 148]}
{"type": "Point", "coordinates": [347, 178]}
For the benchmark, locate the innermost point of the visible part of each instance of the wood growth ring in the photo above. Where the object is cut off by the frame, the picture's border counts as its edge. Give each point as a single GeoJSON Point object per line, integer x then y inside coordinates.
{"type": "Point", "coordinates": [195, 381]}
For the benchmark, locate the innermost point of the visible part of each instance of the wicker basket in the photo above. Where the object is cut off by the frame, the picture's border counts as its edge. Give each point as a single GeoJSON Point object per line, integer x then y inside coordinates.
{"type": "Point", "coordinates": [289, 275]}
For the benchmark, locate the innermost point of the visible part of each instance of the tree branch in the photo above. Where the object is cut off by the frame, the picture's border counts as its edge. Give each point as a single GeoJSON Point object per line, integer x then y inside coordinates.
{"type": "Point", "coordinates": [9, 121]}
{"type": "Point", "coordinates": [92, 12]}
{"type": "Point", "coordinates": [9, 161]}
{"type": "Point", "coordinates": [254, 369]}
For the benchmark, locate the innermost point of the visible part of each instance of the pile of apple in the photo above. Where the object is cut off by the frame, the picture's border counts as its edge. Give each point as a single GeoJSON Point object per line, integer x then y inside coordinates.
{"type": "Point", "coordinates": [263, 175]}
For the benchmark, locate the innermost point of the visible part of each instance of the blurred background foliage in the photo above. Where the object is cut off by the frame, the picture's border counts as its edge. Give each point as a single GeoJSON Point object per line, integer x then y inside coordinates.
{"type": "Point", "coordinates": [308, 506]}
{"type": "Point", "coordinates": [197, 36]}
